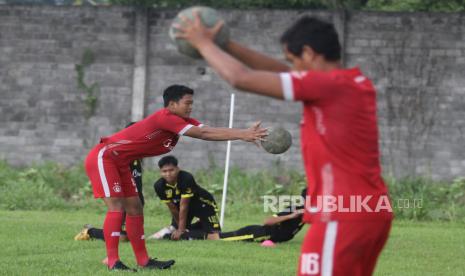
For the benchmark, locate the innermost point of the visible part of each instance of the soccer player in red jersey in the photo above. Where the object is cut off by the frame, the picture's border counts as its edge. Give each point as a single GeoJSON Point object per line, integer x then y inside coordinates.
{"type": "Point", "coordinates": [107, 166]}
{"type": "Point", "coordinates": [347, 202]}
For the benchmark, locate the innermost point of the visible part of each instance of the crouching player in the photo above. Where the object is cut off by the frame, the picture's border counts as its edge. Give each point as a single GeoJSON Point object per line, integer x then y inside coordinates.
{"type": "Point", "coordinates": [185, 200]}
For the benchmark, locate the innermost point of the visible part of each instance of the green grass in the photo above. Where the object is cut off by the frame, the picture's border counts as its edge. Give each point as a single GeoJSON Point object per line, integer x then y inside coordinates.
{"type": "Point", "coordinates": [44, 206]}
{"type": "Point", "coordinates": [41, 243]}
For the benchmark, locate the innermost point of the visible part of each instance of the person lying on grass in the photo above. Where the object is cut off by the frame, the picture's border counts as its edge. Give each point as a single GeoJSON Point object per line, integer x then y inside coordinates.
{"type": "Point", "coordinates": [281, 227]}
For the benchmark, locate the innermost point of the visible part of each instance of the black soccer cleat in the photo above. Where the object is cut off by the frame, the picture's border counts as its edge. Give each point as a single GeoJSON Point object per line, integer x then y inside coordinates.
{"type": "Point", "coordinates": [119, 266]}
{"type": "Point", "coordinates": [154, 264]}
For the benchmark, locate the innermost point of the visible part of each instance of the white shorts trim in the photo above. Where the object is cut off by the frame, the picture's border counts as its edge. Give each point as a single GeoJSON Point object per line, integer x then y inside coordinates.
{"type": "Point", "coordinates": [329, 244]}
{"type": "Point", "coordinates": [101, 171]}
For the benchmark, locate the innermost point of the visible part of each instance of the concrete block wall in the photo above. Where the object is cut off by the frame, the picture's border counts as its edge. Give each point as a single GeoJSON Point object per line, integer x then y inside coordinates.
{"type": "Point", "coordinates": [416, 60]}
{"type": "Point", "coordinates": [42, 109]}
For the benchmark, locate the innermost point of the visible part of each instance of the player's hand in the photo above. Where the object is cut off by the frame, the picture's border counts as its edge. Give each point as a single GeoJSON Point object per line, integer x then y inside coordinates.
{"type": "Point", "coordinates": [297, 213]}
{"type": "Point", "coordinates": [255, 133]}
{"type": "Point", "coordinates": [176, 235]}
{"type": "Point", "coordinates": [195, 32]}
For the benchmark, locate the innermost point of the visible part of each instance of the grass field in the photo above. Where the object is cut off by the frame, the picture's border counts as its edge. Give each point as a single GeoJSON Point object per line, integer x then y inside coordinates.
{"type": "Point", "coordinates": [41, 243]}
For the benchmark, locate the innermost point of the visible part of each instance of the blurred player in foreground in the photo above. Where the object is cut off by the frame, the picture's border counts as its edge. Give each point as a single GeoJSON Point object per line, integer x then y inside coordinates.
{"type": "Point", "coordinates": [348, 205]}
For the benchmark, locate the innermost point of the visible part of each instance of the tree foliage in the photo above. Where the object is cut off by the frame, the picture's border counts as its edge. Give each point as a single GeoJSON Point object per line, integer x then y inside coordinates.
{"type": "Point", "coordinates": [382, 5]}
{"type": "Point", "coordinates": [376, 5]}
{"type": "Point", "coordinates": [417, 5]}
{"type": "Point", "coordinates": [236, 4]}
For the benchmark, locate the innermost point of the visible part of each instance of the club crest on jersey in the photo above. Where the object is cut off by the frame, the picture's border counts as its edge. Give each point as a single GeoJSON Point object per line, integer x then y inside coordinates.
{"type": "Point", "coordinates": [168, 144]}
{"type": "Point", "coordinates": [169, 193]}
{"type": "Point", "coordinates": [360, 79]}
{"type": "Point", "coordinates": [117, 187]}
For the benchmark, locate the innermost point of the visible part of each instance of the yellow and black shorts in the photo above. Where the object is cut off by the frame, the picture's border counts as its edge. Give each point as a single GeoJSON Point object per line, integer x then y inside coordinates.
{"type": "Point", "coordinates": [205, 209]}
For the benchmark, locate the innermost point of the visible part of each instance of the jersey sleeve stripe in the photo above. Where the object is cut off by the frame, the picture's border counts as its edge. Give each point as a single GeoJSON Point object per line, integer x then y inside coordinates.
{"type": "Point", "coordinates": [186, 128]}
{"type": "Point", "coordinates": [286, 85]}
{"type": "Point", "coordinates": [187, 195]}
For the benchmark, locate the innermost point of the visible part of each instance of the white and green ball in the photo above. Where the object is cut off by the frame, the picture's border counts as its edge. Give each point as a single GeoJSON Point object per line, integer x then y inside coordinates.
{"type": "Point", "coordinates": [209, 18]}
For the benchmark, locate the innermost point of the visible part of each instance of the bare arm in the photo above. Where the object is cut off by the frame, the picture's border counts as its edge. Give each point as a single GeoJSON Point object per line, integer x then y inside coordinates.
{"type": "Point", "coordinates": [238, 75]}
{"type": "Point", "coordinates": [184, 209]}
{"type": "Point", "coordinates": [255, 59]}
{"type": "Point", "coordinates": [251, 134]}
{"type": "Point", "coordinates": [276, 220]}
{"type": "Point", "coordinates": [174, 211]}
{"type": "Point", "coordinates": [229, 68]}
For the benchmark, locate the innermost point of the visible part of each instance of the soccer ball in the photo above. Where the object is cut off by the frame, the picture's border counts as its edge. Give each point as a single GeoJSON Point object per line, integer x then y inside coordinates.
{"type": "Point", "coordinates": [278, 140]}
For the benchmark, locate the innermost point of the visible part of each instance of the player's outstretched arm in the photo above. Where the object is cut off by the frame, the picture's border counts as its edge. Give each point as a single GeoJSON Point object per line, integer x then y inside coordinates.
{"type": "Point", "coordinates": [279, 219]}
{"type": "Point", "coordinates": [254, 59]}
{"type": "Point", "coordinates": [253, 134]}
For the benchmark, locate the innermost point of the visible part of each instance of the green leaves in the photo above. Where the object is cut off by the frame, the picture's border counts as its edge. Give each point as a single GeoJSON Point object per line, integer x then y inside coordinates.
{"type": "Point", "coordinates": [47, 186]}
{"type": "Point", "coordinates": [424, 199]}
{"type": "Point", "coordinates": [383, 5]}
{"type": "Point", "coordinates": [416, 5]}
{"type": "Point", "coordinates": [51, 186]}
{"type": "Point", "coordinates": [91, 91]}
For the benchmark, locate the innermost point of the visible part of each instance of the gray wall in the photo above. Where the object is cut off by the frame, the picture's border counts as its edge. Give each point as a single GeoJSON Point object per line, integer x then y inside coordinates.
{"type": "Point", "coordinates": [416, 60]}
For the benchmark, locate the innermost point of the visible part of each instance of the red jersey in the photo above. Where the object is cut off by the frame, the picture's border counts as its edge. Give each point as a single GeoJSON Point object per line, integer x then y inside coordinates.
{"type": "Point", "coordinates": [339, 139]}
{"type": "Point", "coordinates": [155, 135]}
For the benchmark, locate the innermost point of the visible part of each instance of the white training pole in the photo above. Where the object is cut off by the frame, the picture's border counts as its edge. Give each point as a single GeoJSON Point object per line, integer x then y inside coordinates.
{"type": "Point", "coordinates": [226, 166]}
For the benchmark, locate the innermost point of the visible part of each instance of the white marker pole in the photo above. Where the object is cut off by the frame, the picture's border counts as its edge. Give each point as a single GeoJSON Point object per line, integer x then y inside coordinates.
{"type": "Point", "coordinates": [226, 166]}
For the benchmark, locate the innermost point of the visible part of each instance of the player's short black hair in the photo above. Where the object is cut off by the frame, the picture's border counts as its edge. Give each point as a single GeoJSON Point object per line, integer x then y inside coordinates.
{"type": "Point", "coordinates": [175, 93]}
{"type": "Point", "coordinates": [168, 160]}
{"type": "Point", "coordinates": [319, 35]}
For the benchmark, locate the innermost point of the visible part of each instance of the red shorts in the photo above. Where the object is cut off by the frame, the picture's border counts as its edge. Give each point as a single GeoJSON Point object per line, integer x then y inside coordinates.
{"type": "Point", "coordinates": [108, 179]}
{"type": "Point", "coordinates": [343, 247]}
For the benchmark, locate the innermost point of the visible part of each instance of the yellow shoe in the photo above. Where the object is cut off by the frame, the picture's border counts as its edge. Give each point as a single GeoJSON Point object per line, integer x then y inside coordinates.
{"type": "Point", "coordinates": [83, 235]}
